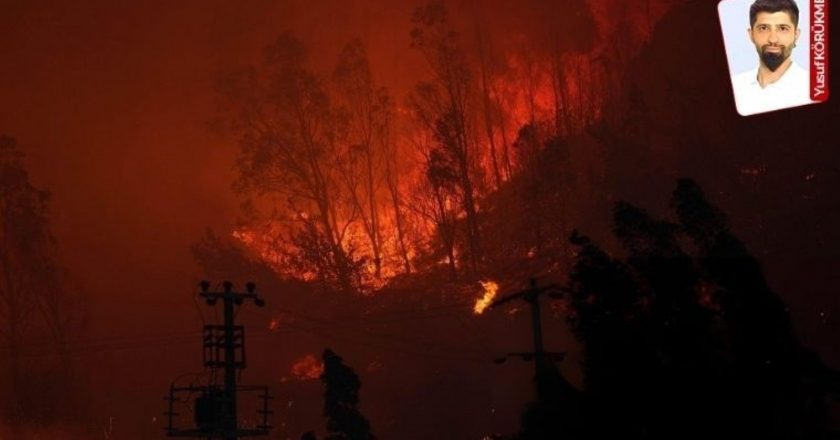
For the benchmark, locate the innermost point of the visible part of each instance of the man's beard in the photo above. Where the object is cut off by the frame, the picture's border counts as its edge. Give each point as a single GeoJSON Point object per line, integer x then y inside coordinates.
{"type": "Point", "coordinates": [774, 59]}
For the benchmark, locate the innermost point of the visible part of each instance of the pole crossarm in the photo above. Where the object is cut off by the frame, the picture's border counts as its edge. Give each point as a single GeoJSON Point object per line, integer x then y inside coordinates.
{"type": "Point", "coordinates": [555, 356]}
{"type": "Point", "coordinates": [531, 294]}
{"type": "Point", "coordinates": [214, 407]}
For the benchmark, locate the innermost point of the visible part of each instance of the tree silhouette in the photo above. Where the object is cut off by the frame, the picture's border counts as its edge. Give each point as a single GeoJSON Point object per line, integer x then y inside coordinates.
{"type": "Point", "coordinates": [444, 107]}
{"type": "Point", "coordinates": [32, 293]}
{"type": "Point", "coordinates": [369, 112]}
{"type": "Point", "coordinates": [770, 369]}
{"type": "Point", "coordinates": [290, 136]}
{"type": "Point", "coordinates": [683, 338]}
{"type": "Point", "coordinates": [341, 398]}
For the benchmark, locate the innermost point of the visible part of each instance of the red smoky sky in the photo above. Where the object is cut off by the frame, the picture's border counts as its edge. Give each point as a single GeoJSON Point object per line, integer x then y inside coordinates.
{"type": "Point", "coordinates": [112, 104]}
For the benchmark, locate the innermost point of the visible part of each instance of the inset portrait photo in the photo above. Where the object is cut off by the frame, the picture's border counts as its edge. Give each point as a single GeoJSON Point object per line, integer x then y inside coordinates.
{"type": "Point", "coordinates": [777, 52]}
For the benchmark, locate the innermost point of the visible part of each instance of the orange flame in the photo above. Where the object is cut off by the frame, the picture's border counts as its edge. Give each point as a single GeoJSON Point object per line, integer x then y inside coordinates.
{"type": "Point", "coordinates": [307, 368]}
{"type": "Point", "coordinates": [525, 91]}
{"type": "Point", "coordinates": [490, 290]}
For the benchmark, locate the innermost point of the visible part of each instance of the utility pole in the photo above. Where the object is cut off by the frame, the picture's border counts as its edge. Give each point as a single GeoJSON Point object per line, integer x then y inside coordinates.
{"type": "Point", "coordinates": [215, 409]}
{"type": "Point", "coordinates": [556, 412]}
{"type": "Point", "coordinates": [531, 295]}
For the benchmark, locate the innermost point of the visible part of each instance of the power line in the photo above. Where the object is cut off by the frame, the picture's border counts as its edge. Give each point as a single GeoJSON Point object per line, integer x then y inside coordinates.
{"type": "Point", "coordinates": [321, 331]}
{"type": "Point", "coordinates": [369, 332]}
{"type": "Point", "coordinates": [144, 341]}
{"type": "Point", "coordinates": [400, 349]}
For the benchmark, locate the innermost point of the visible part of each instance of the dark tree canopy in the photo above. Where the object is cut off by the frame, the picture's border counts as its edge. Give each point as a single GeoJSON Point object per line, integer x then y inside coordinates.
{"type": "Point", "coordinates": [683, 338]}
{"type": "Point", "coordinates": [556, 412]}
{"type": "Point", "coordinates": [341, 400]}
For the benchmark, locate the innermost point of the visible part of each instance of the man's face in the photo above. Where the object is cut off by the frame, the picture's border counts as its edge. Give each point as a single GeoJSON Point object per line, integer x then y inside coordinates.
{"type": "Point", "coordinates": [774, 36]}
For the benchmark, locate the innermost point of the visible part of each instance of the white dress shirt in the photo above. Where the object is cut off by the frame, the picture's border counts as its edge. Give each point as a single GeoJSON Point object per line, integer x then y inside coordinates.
{"type": "Point", "coordinates": [791, 90]}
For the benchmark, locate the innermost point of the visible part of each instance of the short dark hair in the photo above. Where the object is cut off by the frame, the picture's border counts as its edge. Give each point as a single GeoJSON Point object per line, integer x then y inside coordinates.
{"type": "Point", "coordinates": [772, 6]}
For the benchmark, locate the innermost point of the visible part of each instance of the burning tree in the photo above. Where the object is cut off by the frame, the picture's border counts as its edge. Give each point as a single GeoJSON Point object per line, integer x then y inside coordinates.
{"type": "Point", "coordinates": [436, 201]}
{"type": "Point", "coordinates": [564, 43]}
{"type": "Point", "coordinates": [291, 140]}
{"type": "Point", "coordinates": [369, 111]}
{"type": "Point", "coordinates": [321, 153]}
{"type": "Point", "coordinates": [445, 107]}
{"type": "Point", "coordinates": [494, 117]}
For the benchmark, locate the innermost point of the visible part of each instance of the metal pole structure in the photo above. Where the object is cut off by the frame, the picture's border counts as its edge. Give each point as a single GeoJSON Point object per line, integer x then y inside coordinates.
{"type": "Point", "coordinates": [230, 423]}
{"type": "Point", "coordinates": [532, 295]}
{"type": "Point", "coordinates": [216, 408]}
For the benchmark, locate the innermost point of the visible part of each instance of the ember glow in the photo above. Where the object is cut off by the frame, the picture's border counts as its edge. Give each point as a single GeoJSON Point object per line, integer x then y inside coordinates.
{"type": "Point", "coordinates": [307, 368]}
{"type": "Point", "coordinates": [491, 288]}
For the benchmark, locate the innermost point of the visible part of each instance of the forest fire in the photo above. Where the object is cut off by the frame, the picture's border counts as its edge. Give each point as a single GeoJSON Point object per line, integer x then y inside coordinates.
{"type": "Point", "coordinates": [366, 164]}
{"type": "Point", "coordinates": [392, 181]}
{"type": "Point", "coordinates": [391, 185]}
{"type": "Point", "coordinates": [491, 288]}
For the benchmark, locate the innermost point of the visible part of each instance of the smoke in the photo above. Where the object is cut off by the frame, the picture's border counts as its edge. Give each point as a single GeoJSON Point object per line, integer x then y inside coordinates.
{"type": "Point", "coordinates": [111, 103]}
{"type": "Point", "coordinates": [66, 432]}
